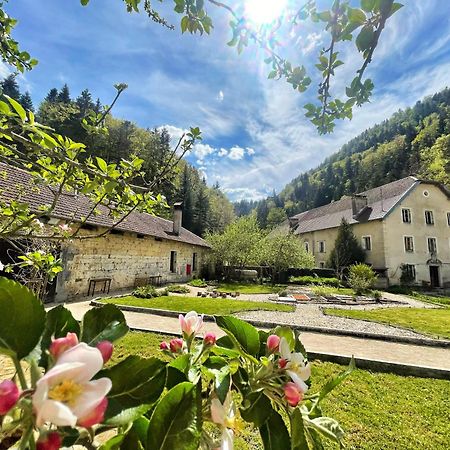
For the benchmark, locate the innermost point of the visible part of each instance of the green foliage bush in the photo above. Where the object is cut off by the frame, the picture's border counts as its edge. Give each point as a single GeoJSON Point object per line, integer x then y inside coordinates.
{"type": "Point", "coordinates": [198, 283]}
{"type": "Point", "coordinates": [361, 278]}
{"type": "Point", "coordinates": [334, 282]}
{"type": "Point", "coordinates": [148, 291]}
{"type": "Point", "coordinates": [178, 289]}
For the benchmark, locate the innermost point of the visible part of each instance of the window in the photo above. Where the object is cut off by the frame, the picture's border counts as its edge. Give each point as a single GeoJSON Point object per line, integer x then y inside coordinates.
{"type": "Point", "coordinates": [429, 219]}
{"type": "Point", "coordinates": [409, 243]}
{"type": "Point", "coordinates": [194, 262]}
{"type": "Point", "coordinates": [307, 246]}
{"type": "Point", "coordinates": [367, 243]}
{"type": "Point", "coordinates": [173, 261]}
{"type": "Point", "coordinates": [448, 219]}
{"type": "Point", "coordinates": [406, 215]}
{"type": "Point", "coordinates": [409, 271]}
{"type": "Point", "coordinates": [432, 245]}
{"type": "Point", "coordinates": [321, 246]}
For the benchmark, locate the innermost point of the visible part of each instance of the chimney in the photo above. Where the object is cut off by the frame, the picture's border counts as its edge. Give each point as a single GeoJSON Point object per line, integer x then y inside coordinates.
{"type": "Point", "coordinates": [359, 203]}
{"type": "Point", "coordinates": [177, 217]}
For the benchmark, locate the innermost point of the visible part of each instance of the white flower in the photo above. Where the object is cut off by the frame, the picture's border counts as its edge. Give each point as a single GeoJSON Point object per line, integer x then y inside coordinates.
{"type": "Point", "coordinates": [225, 416]}
{"type": "Point", "coordinates": [296, 367]}
{"type": "Point", "coordinates": [191, 323]}
{"type": "Point", "coordinates": [38, 224]}
{"type": "Point", "coordinates": [2, 266]}
{"type": "Point", "coordinates": [66, 395]}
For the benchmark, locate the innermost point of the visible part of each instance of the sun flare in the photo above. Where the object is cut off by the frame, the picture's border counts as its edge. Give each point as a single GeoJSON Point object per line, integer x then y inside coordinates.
{"type": "Point", "coordinates": [264, 11]}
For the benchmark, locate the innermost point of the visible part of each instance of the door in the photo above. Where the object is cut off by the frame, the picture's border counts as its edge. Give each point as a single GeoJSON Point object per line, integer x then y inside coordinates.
{"type": "Point", "coordinates": [434, 276]}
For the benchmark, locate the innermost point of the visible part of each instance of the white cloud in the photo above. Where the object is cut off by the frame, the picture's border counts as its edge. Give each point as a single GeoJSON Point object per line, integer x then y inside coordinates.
{"type": "Point", "coordinates": [250, 151]}
{"type": "Point", "coordinates": [222, 152]}
{"type": "Point", "coordinates": [220, 96]}
{"type": "Point", "coordinates": [236, 153]}
{"type": "Point", "coordinates": [201, 151]}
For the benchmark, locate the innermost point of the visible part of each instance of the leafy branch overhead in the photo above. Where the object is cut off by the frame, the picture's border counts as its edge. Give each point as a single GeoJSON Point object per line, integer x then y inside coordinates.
{"type": "Point", "coordinates": [341, 23]}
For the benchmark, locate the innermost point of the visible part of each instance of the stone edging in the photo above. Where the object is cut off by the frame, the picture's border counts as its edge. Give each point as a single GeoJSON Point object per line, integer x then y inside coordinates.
{"type": "Point", "coordinates": [442, 343]}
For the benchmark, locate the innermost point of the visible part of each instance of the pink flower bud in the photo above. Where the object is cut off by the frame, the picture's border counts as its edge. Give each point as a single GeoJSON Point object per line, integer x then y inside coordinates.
{"type": "Point", "coordinates": [292, 394]}
{"type": "Point", "coordinates": [164, 345]}
{"type": "Point", "coordinates": [176, 345]}
{"type": "Point", "coordinates": [95, 416]}
{"type": "Point", "coordinates": [282, 363]}
{"type": "Point", "coordinates": [51, 441]}
{"type": "Point", "coordinates": [9, 394]}
{"type": "Point", "coordinates": [106, 349]}
{"type": "Point", "coordinates": [273, 341]}
{"type": "Point", "coordinates": [209, 339]}
{"type": "Point", "coordinates": [60, 345]}
{"type": "Point", "coordinates": [191, 323]}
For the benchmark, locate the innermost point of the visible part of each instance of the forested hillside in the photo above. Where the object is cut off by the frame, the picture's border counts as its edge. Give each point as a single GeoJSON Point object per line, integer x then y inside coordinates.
{"type": "Point", "coordinates": [415, 141]}
{"type": "Point", "coordinates": [205, 209]}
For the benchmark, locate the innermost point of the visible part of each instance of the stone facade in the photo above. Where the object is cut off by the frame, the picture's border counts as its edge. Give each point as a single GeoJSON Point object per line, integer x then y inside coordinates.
{"type": "Point", "coordinates": [124, 258]}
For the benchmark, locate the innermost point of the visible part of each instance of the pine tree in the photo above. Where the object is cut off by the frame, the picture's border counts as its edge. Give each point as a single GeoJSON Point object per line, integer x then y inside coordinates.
{"type": "Point", "coordinates": [10, 87]}
{"type": "Point", "coordinates": [64, 94]}
{"type": "Point", "coordinates": [52, 96]}
{"type": "Point", "coordinates": [97, 106]}
{"type": "Point", "coordinates": [201, 211]}
{"type": "Point", "coordinates": [346, 251]}
{"type": "Point", "coordinates": [26, 101]}
{"type": "Point", "coordinates": [84, 102]}
{"type": "Point", "coordinates": [186, 196]}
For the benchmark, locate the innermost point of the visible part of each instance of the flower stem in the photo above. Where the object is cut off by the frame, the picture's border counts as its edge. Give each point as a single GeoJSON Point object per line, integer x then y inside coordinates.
{"type": "Point", "coordinates": [20, 374]}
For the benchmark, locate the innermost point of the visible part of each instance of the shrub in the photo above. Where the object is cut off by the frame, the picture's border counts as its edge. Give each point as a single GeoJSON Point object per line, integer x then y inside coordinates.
{"type": "Point", "coordinates": [317, 281]}
{"type": "Point", "coordinates": [377, 295]}
{"type": "Point", "coordinates": [198, 283]}
{"type": "Point", "coordinates": [148, 291]}
{"type": "Point", "coordinates": [178, 289]}
{"type": "Point", "coordinates": [361, 278]}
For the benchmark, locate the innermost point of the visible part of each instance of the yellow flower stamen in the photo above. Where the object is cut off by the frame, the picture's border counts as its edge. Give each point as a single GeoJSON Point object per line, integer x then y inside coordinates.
{"type": "Point", "coordinates": [65, 392]}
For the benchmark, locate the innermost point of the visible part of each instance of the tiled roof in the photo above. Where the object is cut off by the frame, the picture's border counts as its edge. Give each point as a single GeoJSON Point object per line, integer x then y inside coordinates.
{"type": "Point", "coordinates": [380, 201]}
{"type": "Point", "coordinates": [74, 207]}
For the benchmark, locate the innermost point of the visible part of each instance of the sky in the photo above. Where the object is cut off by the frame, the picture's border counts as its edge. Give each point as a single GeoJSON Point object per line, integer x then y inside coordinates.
{"type": "Point", "coordinates": [255, 136]}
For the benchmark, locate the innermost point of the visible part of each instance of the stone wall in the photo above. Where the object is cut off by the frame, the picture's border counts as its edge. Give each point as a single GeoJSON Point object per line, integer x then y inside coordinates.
{"type": "Point", "coordinates": [123, 258]}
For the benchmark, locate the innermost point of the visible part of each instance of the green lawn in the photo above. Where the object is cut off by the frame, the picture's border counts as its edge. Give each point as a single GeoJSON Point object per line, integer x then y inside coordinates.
{"type": "Point", "coordinates": [437, 299]}
{"type": "Point", "coordinates": [212, 306]}
{"type": "Point", "coordinates": [249, 288]}
{"type": "Point", "coordinates": [434, 322]}
{"type": "Point", "coordinates": [378, 411]}
{"type": "Point", "coordinates": [329, 290]}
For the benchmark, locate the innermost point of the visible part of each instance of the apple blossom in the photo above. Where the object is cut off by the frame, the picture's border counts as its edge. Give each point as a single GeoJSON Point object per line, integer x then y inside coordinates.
{"type": "Point", "coordinates": [225, 416]}
{"type": "Point", "coordinates": [297, 368]}
{"type": "Point", "coordinates": [60, 345]}
{"type": "Point", "coordinates": [292, 393]}
{"type": "Point", "coordinates": [273, 342]}
{"type": "Point", "coordinates": [52, 441]}
{"type": "Point", "coordinates": [96, 416]}
{"type": "Point", "coordinates": [176, 345]}
{"type": "Point", "coordinates": [164, 345]}
{"type": "Point", "coordinates": [106, 349]}
{"type": "Point", "coordinates": [209, 339]}
{"type": "Point", "coordinates": [66, 394]}
{"type": "Point", "coordinates": [191, 323]}
{"type": "Point", "coordinates": [9, 394]}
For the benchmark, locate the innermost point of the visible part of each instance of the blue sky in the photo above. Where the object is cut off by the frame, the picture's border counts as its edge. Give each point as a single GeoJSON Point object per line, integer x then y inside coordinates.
{"type": "Point", "coordinates": [256, 137]}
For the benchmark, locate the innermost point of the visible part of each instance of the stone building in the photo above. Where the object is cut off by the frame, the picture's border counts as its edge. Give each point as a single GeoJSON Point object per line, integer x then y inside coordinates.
{"type": "Point", "coordinates": [403, 226]}
{"type": "Point", "coordinates": [142, 249]}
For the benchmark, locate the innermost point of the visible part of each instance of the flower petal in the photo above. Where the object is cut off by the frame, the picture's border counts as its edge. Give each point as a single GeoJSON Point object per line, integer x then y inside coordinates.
{"type": "Point", "coordinates": [92, 395]}
{"type": "Point", "coordinates": [91, 357]}
{"type": "Point", "coordinates": [297, 380]}
{"type": "Point", "coordinates": [227, 439]}
{"type": "Point", "coordinates": [218, 413]}
{"type": "Point", "coordinates": [285, 349]}
{"type": "Point", "coordinates": [56, 413]}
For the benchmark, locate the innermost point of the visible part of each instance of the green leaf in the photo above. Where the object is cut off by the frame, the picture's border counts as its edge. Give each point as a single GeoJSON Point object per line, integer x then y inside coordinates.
{"type": "Point", "coordinates": [22, 319]}
{"type": "Point", "coordinates": [356, 16]}
{"type": "Point", "coordinates": [102, 164]}
{"type": "Point", "coordinates": [328, 427]}
{"type": "Point", "coordinates": [287, 333]}
{"type": "Point", "coordinates": [184, 23]}
{"type": "Point", "coordinates": [245, 334]}
{"type": "Point", "coordinates": [395, 8]}
{"type": "Point", "coordinates": [135, 381]}
{"type": "Point", "coordinates": [330, 385]}
{"type": "Point", "coordinates": [274, 433]}
{"type": "Point", "coordinates": [368, 5]}
{"type": "Point", "coordinates": [114, 443]}
{"type": "Point", "coordinates": [256, 408]}
{"type": "Point", "coordinates": [220, 369]}
{"type": "Point", "coordinates": [298, 436]}
{"type": "Point", "coordinates": [58, 323]}
{"type": "Point", "coordinates": [18, 108]}
{"type": "Point", "coordinates": [126, 416]}
{"type": "Point", "coordinates": [84, 2]}
{"type": "Point", "coordinates": [365, 38]}
{"type": "Point", "coordinates": [176, 421]}
{"type": "Point", "coordinates": [105, 323]}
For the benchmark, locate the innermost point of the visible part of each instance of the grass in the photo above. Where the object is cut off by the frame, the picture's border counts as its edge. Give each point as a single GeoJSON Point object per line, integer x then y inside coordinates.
{"type": "Point", "coordinates": [434, 322]}
{"type": "Point", "coordinates": [329, 290]}
{"type": "Point", "coordinates": [416, 294]}
{"type": "Point", "coordinates": [378, 411]}
{"type": "Point", "coordinates": [250, 288]}
{"type": "Point", "coordinates": [212, 306]}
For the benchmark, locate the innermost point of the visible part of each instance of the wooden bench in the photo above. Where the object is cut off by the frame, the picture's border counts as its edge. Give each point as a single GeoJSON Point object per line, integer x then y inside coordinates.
{"type": "Point", "coordinates": [93, 284]}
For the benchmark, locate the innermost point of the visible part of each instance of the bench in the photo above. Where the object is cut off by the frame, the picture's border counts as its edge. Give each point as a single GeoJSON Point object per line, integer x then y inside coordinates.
{"type": "Point", "coordinates": [93, 284]}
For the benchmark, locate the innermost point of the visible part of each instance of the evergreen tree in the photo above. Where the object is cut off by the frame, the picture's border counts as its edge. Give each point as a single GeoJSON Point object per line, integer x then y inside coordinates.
{"type": "Point", "coordinates": [52, 96]}
{"type": "Point", "coordinates": [10, 87]}
{"type": "Point", "coordinates": [186, 196]}
{"type": "Point", "coordinates": [26, 101]}
{"type": "Point", "coordinates": [64, 94]}
{"type": "Point", "coordinates": [346, 251]}
{"type": "Point", "coordinates": [84, 102]}
{"type": "Point", "coordinates": [201, 211]}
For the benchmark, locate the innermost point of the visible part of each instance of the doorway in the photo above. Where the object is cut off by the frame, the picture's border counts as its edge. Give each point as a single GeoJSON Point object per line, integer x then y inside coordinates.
{"type": "Point", "coordinates": [434, 276]}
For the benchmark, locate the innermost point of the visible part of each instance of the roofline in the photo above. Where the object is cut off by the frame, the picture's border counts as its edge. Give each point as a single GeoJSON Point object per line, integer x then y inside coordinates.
{"type": "Point", "coordinates": [405, 194]}
{"type": "Point", "coordinates": [337, 226]}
